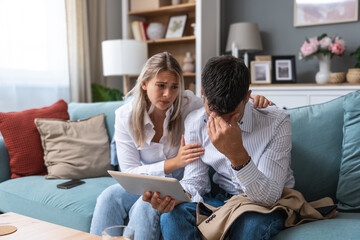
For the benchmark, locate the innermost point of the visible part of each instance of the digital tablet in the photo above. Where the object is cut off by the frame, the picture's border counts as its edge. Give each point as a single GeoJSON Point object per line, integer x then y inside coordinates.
{"type": "Point", "coordinates": [138, 184]}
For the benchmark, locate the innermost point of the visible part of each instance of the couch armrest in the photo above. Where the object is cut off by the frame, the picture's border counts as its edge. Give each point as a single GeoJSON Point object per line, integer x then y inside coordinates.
{"type": "Point", "coordinates": [4, 161]}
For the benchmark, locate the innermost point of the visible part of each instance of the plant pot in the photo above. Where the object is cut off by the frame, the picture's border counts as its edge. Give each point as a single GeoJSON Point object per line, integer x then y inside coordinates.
{"type": "Point", "coordinates": [337, 77]}
{"type": "Point", "coordinates": [353, 75]}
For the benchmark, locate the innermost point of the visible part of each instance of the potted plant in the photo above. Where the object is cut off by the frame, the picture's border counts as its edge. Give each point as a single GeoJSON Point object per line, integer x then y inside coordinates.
{"type": "Point", "coordinates": [353, 75]}
{"type": "Point", "coordinates": [102, 94]}
{"type": "Point", "coordinates": [324, 48]}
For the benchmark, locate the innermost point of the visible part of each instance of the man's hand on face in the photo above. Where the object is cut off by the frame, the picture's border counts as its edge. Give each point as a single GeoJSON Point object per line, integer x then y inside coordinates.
{"type": "Point", "coordinates": [227, 138]}
{"type": "Point", "coordinates": [164, 205]}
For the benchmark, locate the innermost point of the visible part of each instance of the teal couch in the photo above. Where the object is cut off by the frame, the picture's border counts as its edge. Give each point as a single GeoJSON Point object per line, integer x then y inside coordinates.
{"type": "Point", "coordinates": [319, 160]}
{"type": "Point", "coordinates": [39, 198]}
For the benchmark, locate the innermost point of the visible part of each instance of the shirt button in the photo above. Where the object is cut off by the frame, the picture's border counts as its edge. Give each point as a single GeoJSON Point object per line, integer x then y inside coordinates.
{"type": "Point", "coordinates": [234, 178]}
{"type": "Point", "coordinates": [242, 179]}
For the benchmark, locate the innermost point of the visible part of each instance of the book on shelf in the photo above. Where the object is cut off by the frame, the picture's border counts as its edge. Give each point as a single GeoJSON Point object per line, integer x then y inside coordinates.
{"type": "Point", "coordinates": [139, 30]}
{"type": "Point", "coordinates": [135, 27]}
{"type": "Point", "coordinates": [143, 27]}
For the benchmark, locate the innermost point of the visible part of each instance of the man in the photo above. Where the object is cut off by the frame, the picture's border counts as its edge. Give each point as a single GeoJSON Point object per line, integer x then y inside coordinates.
{"type": "Point", "coordinates": [248, 148]}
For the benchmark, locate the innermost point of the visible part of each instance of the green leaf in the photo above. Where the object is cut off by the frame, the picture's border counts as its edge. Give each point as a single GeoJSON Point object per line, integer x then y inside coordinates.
{"type": "Point", "coordinates": [103, 94]}
{"type": "Point", "coordinates": [356, 54]}
{"type": "Point", "coordinates": [321, 36]}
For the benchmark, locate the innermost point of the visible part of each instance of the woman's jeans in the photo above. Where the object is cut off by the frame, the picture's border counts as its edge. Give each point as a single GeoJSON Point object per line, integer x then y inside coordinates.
{"type": "Point", "coordinates": [180, 223]}
{"type": "Point", "coordinates": [115, 205]}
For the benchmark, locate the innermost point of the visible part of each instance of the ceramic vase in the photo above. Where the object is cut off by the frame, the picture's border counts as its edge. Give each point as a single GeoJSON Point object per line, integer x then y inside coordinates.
{"type": "Point", "coordinates": [189, 65]}
{"type": "Point", "coordinates": [322, 76]}
{"type": "Point", "coordinates": [155, 30]}
{"type": "Point", "coordinates": [175, 2]}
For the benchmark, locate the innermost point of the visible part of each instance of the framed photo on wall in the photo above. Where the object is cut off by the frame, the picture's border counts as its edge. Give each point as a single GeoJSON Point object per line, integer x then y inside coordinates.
{"type": "Point", "coordinates": [260, 72]}
{"type": "Point", "coordinates": [176, 26]}
{"type": "Point", "coordinates": [284, 70]}
{"type": "Point", "coordinates": [307, 13]}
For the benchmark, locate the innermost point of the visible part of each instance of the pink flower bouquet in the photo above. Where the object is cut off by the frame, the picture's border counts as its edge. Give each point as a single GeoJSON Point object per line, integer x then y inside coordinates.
{"type": "Point", "coordinates": [333, 46]}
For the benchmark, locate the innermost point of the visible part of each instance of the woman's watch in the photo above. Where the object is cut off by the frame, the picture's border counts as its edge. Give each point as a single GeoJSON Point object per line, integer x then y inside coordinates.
{"type": "Point", "coordinates": [241, 166]}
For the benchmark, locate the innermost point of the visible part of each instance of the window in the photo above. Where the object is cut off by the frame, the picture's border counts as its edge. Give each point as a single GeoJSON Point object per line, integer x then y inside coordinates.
{"type": "Point", "coordinates": [33, 54]}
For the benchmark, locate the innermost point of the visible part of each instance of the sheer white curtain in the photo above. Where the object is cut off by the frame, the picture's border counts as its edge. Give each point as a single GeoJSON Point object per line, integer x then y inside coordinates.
{"type": "Point", "coordinates": [33, 54]}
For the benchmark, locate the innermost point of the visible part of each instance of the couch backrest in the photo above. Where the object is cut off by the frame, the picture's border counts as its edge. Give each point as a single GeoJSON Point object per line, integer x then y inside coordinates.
{"type": "Point", "coordinates": [317, 134]}
{"type": "Point", "coordinates": [79, 111]}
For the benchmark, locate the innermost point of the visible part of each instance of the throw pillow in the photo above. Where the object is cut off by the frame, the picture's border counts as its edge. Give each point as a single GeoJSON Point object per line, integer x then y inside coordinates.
{"type": "Point", "coordinates": [348, 190]}
{"type": "Point", "coordinates": [75, 149]}
{"type": "Point", "coordinates": [316, 148]}
{"type": "Point", "coordinates": [22, 139]}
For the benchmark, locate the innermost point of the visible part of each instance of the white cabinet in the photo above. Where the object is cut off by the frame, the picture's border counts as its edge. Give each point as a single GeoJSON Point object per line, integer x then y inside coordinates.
{"type": "Point", "coordinates": [290, 96]}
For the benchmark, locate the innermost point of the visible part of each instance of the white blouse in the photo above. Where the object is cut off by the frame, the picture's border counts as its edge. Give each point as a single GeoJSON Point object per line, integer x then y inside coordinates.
{"type": "Point", "coordinates": [148, 159]}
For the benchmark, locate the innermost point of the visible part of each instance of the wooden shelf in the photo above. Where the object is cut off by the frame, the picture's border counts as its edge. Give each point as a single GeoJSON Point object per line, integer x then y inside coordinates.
{"type": "Point", "coordinates": [180, 8]}
{"type": "Point", "coordinates": [198, 12]}
{"type": "Point", "coordinates": [169, 40]}
{"type": "Point", "coordinates": [189, 74]}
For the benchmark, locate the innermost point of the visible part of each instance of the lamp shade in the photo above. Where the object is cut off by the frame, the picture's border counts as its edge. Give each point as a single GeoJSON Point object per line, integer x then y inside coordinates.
{"type": "Point", "coordinates": [123, 57]}
{"type": "Point", "coordinates": [245, 35]}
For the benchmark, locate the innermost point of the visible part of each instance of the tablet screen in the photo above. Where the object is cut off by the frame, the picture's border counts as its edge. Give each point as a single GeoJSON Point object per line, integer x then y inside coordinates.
{"type": "Point", "coordinates": [138, 184]}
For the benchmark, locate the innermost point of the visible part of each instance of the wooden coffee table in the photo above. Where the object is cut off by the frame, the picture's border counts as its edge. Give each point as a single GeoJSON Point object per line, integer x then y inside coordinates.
{"type": "Point", "coordinates": [31, 228]}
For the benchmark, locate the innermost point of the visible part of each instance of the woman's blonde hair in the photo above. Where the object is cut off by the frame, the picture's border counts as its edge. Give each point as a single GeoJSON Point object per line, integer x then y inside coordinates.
{"type": "Point", "coordinates": [157, 63]}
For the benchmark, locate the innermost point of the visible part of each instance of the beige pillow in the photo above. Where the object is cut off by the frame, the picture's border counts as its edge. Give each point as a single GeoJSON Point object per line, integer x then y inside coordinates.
{"type": "Point", "coordinates": [75, 149]}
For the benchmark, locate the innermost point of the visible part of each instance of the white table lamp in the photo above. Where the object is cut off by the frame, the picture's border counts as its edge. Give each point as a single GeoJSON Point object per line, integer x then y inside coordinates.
{"type": "Point", "coordinates": [123, 58]}
{"type": "Point", "coordinates": [245, 37]}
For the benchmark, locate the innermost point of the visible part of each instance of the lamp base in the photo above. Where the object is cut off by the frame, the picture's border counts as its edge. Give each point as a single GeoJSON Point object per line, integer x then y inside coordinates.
{"type": "Point", "coordinates": [246, 59]}
{"type": "Point", "coordinates": [234, 50]}
{"type": "Point", "coordinates": [126, 84]}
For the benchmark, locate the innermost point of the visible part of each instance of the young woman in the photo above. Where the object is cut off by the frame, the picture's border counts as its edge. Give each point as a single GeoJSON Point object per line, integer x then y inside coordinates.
{"type": "Point", "coordinates": [148, 135]}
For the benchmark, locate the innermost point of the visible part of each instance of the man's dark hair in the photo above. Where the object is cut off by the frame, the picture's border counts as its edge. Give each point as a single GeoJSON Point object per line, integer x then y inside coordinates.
{"type": "Point", "coordinates": [225, 82]}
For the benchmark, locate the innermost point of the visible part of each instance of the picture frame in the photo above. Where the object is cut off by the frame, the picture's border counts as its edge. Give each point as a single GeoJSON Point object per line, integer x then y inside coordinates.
{"type": "Point", "coordinates": [176, 26]}
{"type": "Point", "coordinates": [260, 72]}
{"type": "Point", "coordinates": [284, 70]}
{"type": "Point", "coordinates": [309, 13]}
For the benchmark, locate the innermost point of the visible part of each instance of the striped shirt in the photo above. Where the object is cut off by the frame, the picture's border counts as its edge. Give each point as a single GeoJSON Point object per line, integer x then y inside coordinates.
{"type": "Point", "coordinates": [266, 135]}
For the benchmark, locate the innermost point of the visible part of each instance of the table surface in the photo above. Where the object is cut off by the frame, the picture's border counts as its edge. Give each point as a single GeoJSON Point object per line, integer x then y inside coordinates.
{"type": "Point", "coordinates": [31, 228]}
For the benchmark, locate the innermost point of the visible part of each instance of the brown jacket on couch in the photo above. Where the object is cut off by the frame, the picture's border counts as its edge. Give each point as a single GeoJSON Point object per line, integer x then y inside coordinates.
{"type": "Point", "coordinates": [292, 202]}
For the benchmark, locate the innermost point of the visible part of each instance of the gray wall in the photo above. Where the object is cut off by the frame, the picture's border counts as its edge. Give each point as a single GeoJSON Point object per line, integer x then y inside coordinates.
{"type": "Point", "coordinates": [114, 31]}
{"type": "Point", "coordinates": [280, 37]}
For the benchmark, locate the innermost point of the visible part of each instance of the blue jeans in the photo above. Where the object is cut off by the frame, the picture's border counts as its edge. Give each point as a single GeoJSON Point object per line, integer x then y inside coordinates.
{"type": "Point", "coordinates": [115, 205]}
{"type": "Point", "coordinates": [181, 222]}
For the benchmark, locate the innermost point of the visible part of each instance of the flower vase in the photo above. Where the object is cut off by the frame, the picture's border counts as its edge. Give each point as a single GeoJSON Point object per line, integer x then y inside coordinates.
{"type": "Point", "coordinates": [322, 76]}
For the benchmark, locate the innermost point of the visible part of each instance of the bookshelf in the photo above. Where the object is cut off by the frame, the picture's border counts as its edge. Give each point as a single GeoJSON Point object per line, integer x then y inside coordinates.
{"type": "Point", "coordinates": [203, 43]}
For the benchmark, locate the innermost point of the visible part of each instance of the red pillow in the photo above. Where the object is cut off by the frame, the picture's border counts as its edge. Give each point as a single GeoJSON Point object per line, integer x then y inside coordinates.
{"type": "Point", "coordinates": [22, 138]}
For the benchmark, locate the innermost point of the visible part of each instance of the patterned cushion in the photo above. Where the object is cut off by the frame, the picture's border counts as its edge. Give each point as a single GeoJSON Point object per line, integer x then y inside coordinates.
{"type": "Point", "coordinates": [22, 138]}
